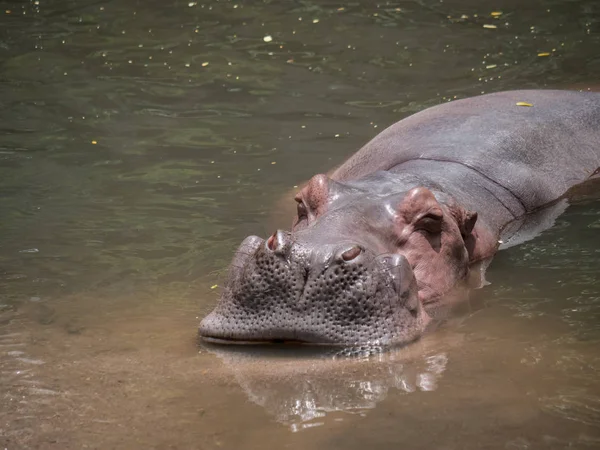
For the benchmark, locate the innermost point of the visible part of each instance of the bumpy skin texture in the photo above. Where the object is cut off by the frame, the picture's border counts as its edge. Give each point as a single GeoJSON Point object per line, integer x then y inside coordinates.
{"type": "Point", "coordinates": [396, 227]}
{"type": "Point", "coordinates": [293, 293]}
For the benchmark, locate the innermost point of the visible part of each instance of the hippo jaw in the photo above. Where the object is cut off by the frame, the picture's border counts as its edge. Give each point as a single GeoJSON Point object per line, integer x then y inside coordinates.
{"type": "Point", "coordinates": [279, 291]}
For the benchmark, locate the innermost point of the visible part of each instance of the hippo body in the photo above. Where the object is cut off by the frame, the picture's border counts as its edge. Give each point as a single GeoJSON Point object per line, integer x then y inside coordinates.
{"type": "Point", "coordinates": [397, 226]}
{"type": "Point", "coordinates": [499, 159]}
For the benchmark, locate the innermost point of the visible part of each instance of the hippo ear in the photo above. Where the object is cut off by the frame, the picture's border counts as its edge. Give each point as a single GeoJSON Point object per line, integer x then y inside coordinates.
{"type": "Point", "coordinates": [468, 223]}
{"type": "Point", "coordinates": [465, 219]}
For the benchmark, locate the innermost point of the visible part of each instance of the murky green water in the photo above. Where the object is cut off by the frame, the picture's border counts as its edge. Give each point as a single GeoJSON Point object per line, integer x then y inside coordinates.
{"type": "Point", "coordinates": [141, 141]}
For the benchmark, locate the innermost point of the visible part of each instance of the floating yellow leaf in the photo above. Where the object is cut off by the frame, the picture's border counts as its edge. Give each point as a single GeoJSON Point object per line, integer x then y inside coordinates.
{"type": "Point", "coordinates": [496, 13]}
{"type": "Point", "coordinates": [524, 104]}
{"type": "Point", "coordinates": [214, 286]}
{"type": "Point", "coordinates": [544, 54]}
{"type": "Point", "coordinates": [94, 142]}
{"type": "Point", "coordinates": [487, 25]}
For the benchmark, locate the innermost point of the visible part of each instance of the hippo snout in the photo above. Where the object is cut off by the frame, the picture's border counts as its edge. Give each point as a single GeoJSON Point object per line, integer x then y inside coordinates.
{"type": "Point", "coordinates": [285, 288]}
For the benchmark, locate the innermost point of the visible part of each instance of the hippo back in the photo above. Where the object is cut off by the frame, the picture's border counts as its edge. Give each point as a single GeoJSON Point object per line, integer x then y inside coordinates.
{"type": "Point", "coordinates": [535, 152]}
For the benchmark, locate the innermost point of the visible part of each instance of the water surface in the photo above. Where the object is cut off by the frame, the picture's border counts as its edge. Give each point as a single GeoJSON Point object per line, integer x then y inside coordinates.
{"type": "Point", "coordinates": [140, 142]}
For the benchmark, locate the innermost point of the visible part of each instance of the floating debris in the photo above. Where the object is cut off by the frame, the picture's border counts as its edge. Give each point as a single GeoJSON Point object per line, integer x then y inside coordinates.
{"type": "Point", "coordinates": [487, 25]}
{"type": "Point", "coordinates": [268, 38]}
{"type": "Point", "coordinates": [94, 142]}
{"type": "Point", "coordinates": [204, 64]}
{"type": "Point", "coordinates": [315, 20]}
{"type": "Point", "coordinates": [544, 54]}
{"type": "Point", "coordinates": [214, 286]}
{"type": "Point", "coordinates": [491, 66]}
{"type": "Point", "coordinates": [524, 104]}
{"type": "Point", "coordinates": [496, 13]}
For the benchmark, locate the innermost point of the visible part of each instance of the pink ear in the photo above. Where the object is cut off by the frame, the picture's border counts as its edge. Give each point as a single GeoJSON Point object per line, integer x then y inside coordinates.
{"type": "Point", "coordinates": [470, 218]}
{"type": "Point", "coordinates": [465, 220]}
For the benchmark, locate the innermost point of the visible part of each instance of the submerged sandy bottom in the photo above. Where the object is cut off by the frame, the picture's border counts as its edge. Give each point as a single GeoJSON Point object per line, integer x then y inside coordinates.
{"type": "Point", "coordinates": [135, 378]}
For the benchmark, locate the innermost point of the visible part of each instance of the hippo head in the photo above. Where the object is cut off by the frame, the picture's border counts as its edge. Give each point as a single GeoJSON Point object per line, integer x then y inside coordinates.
{"type": "Point", "coordinates": [355, 269]}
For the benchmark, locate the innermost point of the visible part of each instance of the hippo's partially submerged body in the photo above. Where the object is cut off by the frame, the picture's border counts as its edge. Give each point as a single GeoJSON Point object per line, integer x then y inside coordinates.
{"type": "Point", "coordinates": [398, 225]}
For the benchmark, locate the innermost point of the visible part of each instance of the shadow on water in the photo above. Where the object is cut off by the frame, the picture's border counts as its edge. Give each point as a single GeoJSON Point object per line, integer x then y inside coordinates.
{"type": "Point", "coordinates": [140, 143]}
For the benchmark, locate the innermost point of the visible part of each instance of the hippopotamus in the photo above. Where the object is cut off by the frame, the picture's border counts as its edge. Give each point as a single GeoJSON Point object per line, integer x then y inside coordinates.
{"type": "Point", "coordinates": [395, 228]}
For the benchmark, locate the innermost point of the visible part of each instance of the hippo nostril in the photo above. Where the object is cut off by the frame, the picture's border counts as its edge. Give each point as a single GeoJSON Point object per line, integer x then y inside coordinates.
{"type": "Point", "coordinates": [277, 242]}
{"type": "Point", "coordinates": [272, 242]}
{"type": "Point", "coordinates": [351, 253]}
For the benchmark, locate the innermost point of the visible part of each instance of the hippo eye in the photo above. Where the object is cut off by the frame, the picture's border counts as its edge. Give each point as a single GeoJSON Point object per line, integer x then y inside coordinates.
{"type": "Point", "coordinates": [302, 211]}
{"type": "Point", "coordinates": [430, 222]}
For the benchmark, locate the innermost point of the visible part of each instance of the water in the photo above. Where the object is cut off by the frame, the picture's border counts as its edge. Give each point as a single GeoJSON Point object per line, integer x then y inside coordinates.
{"type": "Point", "coordinates": [141, 141]}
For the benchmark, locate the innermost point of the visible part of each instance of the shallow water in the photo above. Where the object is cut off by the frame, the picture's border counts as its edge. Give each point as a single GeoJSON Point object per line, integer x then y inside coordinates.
{"type": "Point", "coordinates": [141, 141]}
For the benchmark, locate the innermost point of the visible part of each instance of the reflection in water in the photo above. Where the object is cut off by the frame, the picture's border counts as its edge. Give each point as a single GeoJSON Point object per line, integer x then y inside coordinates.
{"type": "Point", "coordinates": [528, 227]}
{"type": "Point", "coordinates": [301, 390]}
{"type": "Point", "coordinates": [574, 406]}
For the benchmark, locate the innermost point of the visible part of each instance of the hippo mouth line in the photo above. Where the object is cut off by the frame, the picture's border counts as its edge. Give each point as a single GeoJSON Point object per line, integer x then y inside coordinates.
{"type": "Point", "coordinates": [282, 337]}
{"type": "Point", "coordinates": [234, 341]}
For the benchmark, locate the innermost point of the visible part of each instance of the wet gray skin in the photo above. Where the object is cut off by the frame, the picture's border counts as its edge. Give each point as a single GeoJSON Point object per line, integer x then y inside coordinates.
{"type": "Point", "coordinates": [399, 227]}
{"type": "Point", "coordinates": [341, 278]}
{"type": "Point", "coordinates": [320, 284]}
